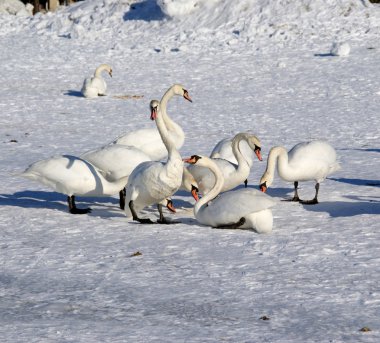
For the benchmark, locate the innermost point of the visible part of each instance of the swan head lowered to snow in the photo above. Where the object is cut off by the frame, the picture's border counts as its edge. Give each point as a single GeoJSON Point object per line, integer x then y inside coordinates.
{"type": "Point", "coordinates": [96, 86]}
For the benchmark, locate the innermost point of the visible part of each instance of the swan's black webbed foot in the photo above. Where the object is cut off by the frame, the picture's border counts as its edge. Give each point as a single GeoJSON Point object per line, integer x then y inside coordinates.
{"type": "Point", "coordinates": [135, 216]}
{"type": "Point", "coordinates": [73, 208]}
{"type": "Point", "coordinates": [167, 221]}
{"type": "Point", "coordinates": [309, 202]}
{"type": "Point", "coordinates": [162, 219]}
{"type": "Point", "coordinates": [233, 226]}
{"type": "Point", "coordinates": [122, 198]}
{"type": "Point", "coordinates": [80, 210]}
{"type": "Point", "coordinates": [143, 220]}
{"type": "Point", "coordinates": [246, 183]}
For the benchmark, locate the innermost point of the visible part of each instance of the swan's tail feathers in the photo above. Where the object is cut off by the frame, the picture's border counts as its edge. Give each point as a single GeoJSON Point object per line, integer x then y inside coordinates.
{"type": "Point", "coordinates": [335, 167]}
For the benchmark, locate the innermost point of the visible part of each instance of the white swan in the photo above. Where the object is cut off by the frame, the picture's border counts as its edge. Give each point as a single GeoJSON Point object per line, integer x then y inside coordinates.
{"type": "Point", "coordinates": [149, 140]}
{"type": "Point", "coordinates": [242, 208]}
{"type": "Point", "coordinates": [95, 85]}
{"type": "Point", "coordinates": [233, 174]}
{"type": "Point", "coordinates": [306, 161]}
{"type": "Point", "coordinates": [73, 176]}
{"type": "Point", "coordinates": [223, 149]}
{"type": "Point", "coordinates": [152, 182]}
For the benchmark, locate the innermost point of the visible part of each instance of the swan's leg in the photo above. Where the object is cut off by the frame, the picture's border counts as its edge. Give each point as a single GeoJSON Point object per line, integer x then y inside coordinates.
{"type": "Point", "coordinates": [315, 199]}
{"type": "Point", "coordinates": [246, 183]}
{"type": "Point", "coordinates": [122, 194]}
{"type": "Point", "coordinates": [295, 197]}
{"type": "Point", "coordinates": [73, 208]}
{"type": "Point", "coordinates": [162, 219]}
{"type": "Point", "coordinates": [135, 217]}
{"type": "Point", "coordinates": [232, 226]}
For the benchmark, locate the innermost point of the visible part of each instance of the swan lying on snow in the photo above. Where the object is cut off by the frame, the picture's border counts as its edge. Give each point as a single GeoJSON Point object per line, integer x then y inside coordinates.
{"type": "Point", "coordinates": [239, 209]}
{"type": "Point", "coordinates": [73, 176]}
{"type": "Point", "coordinates": [96, 86]}
{"type": "Point", "coordinates": [306, 161]}
{"type": "Point", "coordinates": [233, 174]}
{"type": "Point", "coordinates": [152, 182]}
{"type": "Point", "coordinates": [149, 140]}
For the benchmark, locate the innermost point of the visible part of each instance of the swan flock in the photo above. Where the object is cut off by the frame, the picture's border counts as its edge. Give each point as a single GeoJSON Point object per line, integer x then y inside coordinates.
{"type": "Point", "coordinates": [144, 167]}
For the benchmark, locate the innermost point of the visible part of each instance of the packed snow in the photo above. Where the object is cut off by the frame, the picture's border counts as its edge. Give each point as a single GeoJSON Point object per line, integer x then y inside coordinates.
{"type": "Point", "coordinates": [267, 67]}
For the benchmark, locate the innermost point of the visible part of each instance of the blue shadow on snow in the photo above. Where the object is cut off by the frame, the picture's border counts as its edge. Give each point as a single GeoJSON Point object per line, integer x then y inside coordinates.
{"type": "Point", "coordinates": [74, 93]}
{"type": "Point", "coordinates": [147, 10]}
{"type": "Point", "coordinates": [358, 182]}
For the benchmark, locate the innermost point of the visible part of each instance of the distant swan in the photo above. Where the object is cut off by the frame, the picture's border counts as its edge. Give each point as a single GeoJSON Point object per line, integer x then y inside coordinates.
{"type": "Point", "coordinates": [239, 209]}
{"type": "Point", "coordinates": [152, 182]}
{"type": "Point", "coordinates": [149, 140]}
{"type": "Point", "coordinates": [233, 174]}
{"type": "Point", "coordinates": [73, 176]}
{"type": "Point", "coordinates": [96, 86]}
{"type": "Point", "coordinates": [306, 161]}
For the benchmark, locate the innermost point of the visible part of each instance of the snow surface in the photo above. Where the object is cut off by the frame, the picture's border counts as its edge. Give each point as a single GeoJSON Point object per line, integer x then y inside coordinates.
{"type": "Point", "coordinates": [264, 66]}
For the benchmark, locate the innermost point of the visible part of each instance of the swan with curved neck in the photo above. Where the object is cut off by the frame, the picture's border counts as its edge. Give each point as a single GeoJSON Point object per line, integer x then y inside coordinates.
{"type": "Point", "coordinates": [306, 161]}
{"type": "Point", "coordinates": [233, 174]}
{"type": "Point", "coordinates": [243, 208]}
{"type": "Point", "coordinates": [151, 182]}
{"type": "Point", "coordinates": [73, 176]}
{"type": "Point", "coordinates": [223, 149]}
{"type": "Point", "coordinates": [149, 140]}
{"type": "Point", "coordinates": [96, 86]}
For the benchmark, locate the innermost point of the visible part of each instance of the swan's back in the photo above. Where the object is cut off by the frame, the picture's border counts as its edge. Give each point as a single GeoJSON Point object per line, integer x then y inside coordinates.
{"type": "Point", "coordinates": [116, 161]}
{"type": "Point", "coordinates": [315, 157]}
{"type": "Point", "coordinates": [66, 174]}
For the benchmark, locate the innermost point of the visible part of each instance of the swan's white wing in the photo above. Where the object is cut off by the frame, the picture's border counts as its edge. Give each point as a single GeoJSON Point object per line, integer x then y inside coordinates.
{"type": "Point", "coordinates": [229, 207]}
{"type": "Point", "coordinates": [116, 161]}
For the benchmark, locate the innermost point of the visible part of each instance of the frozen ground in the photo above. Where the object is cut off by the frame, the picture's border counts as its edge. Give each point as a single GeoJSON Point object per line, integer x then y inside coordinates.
{"type": "Point", "coordinates": [102, 278]}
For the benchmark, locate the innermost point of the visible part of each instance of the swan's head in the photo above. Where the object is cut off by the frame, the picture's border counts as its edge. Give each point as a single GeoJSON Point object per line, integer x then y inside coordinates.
{"type": "Point", "coordinates": [154, 108]}
{"type": "Point", "coordinates": [106, 67]}
{"type": "Point", "coordinates": [194, 192]}
{"type": "Point", "coordinates": [195, 159]}
{"type": "Point", "coordinates": [265, 181]}
{"type": "Point", "coordinates": [255, 145]}
{"type": "Point", "coordinates": [181, 91]}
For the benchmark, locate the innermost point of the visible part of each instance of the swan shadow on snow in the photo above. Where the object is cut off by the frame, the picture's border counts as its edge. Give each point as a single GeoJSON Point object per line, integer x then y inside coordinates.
{"type": "Point", "coordinates": [58, 201]}
{"type": "Point", "coordinates": [361, 205]}
{"type": "Point", "coordinates": [147, 10]}
{"type": "Point", "coordinates": [71, 92]}
{"type": "Point", "coordinates": [358, 182]}
{"type": "Point", "coordinates": [327, 54]}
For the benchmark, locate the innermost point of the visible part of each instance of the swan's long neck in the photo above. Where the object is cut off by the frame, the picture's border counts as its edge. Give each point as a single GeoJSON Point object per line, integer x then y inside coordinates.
{"type": "Point", "coordinates": [98, 71]}
{"type": "Point", "coordinates": [169, 122]}
{"type": "Point", "coordinates": [278, 155]}
{"type": "Point", "coordinates": [242, 162]}
{"type": "Point", "coordinates": [219, 181]}
{"type": "Point", "coordinates": [166, 139]}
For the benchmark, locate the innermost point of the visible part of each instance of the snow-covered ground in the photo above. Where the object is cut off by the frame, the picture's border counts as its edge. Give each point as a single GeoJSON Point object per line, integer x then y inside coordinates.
{"type": "Point", "coordinates": [264, 66]}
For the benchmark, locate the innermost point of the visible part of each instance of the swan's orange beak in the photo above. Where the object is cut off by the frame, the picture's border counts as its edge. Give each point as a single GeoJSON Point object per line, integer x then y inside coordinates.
{"type": "Point", "coordinates": [170, 206]}
{"type": "Point", "coordinates": [258, 154]}
{"type": "Point", "coordinates": [194, 192]}
{"type": "Point", "coordinates": [187, 96]}
{"type": "Point", "coordinates": [263, 187]}
{"type": "Point", "coordinates": [190, 160]}
{"type": "Point", "coordinates": [153, 113]}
